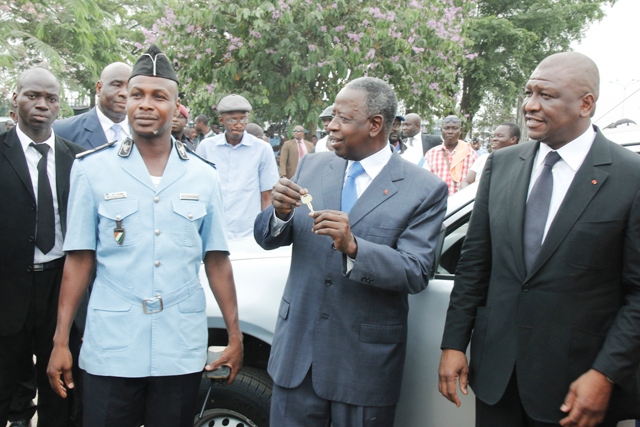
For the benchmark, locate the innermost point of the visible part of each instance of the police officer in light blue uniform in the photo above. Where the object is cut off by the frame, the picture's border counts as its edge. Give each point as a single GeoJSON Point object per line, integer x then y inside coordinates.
{"type": "Point", "coordinates": [146, 212]}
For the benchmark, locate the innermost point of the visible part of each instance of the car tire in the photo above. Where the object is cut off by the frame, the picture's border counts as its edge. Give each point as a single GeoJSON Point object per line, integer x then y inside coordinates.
{"type": "Point", "coordinates": [245, 403]}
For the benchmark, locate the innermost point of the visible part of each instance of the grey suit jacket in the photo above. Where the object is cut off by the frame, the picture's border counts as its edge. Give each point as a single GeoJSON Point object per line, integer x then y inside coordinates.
{"type": "Point", "coordinates": [353, 327]}
{"type": "Point", "coordinates": [84, 129]}
{"type": "Point", "coordinates": [575, 309]}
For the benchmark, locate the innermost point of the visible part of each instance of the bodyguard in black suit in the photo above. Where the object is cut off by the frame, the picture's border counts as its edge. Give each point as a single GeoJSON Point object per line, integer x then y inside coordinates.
{"type": "Point", "coordinates": [96, 127]}
{"type": "Point", "coordinates": [32, 223]}
{"type": "Point", "coordinates": [549, 277]}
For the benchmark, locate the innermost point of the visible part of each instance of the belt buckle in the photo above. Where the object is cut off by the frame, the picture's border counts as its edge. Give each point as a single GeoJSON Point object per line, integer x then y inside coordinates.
{"type": "Point", "coordinates": [38, 267]}
{"type": "Point", "coordinates": [152, 301]}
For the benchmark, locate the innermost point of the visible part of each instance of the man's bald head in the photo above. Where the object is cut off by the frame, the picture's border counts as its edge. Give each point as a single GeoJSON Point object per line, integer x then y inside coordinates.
{"type": "Point", "coordinates": [560, 98]}
{"type": "Point", "coordinates": [411, 125]}
{"type": "Point", "coordinates": [581, 69]}
{"type": "Point", "coordinates": [36, 72]}
{"type": "Point", "coordinates": [112, 91]}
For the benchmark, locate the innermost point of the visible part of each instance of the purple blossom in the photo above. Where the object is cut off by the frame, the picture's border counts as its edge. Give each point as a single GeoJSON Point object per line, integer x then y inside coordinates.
{"type": "Point", "coordinates": [312, 47]}
{"type": "Point", "coordinates": [417, 49]}
{"type": "Point", "coordinates": [377, 13]}
{"type": "Point", "coordinates": [190, 28]}
{"type": "Point", "coordinates": [471, 55]}
{"type": "Point", "coordinates": [434, 86]}
{"type": "Point", "coordinates": [208, 50]}
{"type": "Point", "coordinates": [334, 6]}
{"type": "Point", "coordinates": [336, 40]}
{"type": "Point", "coordinates": [255, 34]}
{"type": "Point", "coordinates": [370, 54]}
{"type": "Point", "coordinates": [198, 57]}
{"type": "Point", "coordinates": [339, 28]}
{"type": "Point", "coordinates": [323, 29]}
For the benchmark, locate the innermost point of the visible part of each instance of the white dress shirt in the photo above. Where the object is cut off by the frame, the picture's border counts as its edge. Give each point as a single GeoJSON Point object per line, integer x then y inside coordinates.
{"type": "Point", "coordinates": [106, 124]}
{"type": "Point", "coordinates": [33, 157]}
{"type": "Point", "coordinates": [415, 141]}
{"type": "Point", "coordinates": [321, 145]}
{"type": "Point", "coordinates": [572, 156]}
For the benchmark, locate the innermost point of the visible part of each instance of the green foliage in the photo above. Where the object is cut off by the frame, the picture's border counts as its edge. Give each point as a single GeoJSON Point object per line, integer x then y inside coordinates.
{"type": "Point", "coordinates": [291, 57]}
{"type": "Point", "coordinates": [511, 37]}
{"type": "Point", "coordinates": [73, 38]}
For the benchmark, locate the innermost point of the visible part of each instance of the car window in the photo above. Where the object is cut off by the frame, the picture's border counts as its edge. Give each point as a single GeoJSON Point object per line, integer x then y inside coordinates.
{"type": "Point", "coordinates": [452, 246]}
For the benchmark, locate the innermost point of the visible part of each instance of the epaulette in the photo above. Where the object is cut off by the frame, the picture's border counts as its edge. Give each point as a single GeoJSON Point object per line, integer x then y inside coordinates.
{"type": "Point", "coordinates": [95, 150]}
{"type": "Point", "coordinates": [200, 157]}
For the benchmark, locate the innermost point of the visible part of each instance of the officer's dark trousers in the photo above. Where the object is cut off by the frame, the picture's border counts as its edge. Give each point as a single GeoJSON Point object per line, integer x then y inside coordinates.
{"type": "Point", "coordinates": [35, 337]}
{"type": "Point", "coordinates": [168, 401]}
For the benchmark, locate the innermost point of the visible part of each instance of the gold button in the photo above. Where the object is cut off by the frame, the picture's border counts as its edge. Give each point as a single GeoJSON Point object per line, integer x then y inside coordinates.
{"type": "Point", "coordinates": [157, 263]}
{"type": "Point", "coordinates": [157, 231]}
{"type": "Point", "coordinates": [156, 199]}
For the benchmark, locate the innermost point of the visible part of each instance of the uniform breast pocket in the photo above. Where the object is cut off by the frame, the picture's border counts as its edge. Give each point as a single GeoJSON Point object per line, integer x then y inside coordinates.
{"type": "Point", "coordinates": [111, 213]}
{"type": "Point", "coordinates": [186, 221]}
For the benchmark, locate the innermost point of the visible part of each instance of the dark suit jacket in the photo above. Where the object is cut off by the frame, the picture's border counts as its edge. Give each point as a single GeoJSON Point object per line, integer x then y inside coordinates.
{"type": "Point", "coordinates": [353, 328]}
{"type": "Point", "coordinates": [84, 129]}
{"type": "Point", "coordinates": [430, 141]}
{"type": "Point", "coordinates": [578, 308]}
{"type": "Point", "coordinates": [18, 223]}
{"type": "Point", "coordinates": [289, 157]}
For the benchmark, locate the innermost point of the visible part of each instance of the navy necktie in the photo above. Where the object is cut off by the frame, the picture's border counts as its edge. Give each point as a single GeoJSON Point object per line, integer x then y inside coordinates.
{"type": "Point", "coordinates": [349, 193]}
{"type": "Point", "coordinates": [45, 222]}
{"type": "Point", "coordinates": [537, 211]}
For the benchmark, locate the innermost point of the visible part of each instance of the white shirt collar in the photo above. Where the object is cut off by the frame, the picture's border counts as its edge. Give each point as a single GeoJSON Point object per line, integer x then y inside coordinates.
{"type": "Point", "coordinates": [373, 164]}
{"type": "Point", "coordinates": [106, 122]}
{"type": "Point", "coordinates": [221, 139]}
{"type": "Point", "coordinates": [572, 153]}
{"type": "Point", "coordinates": [25, 140]}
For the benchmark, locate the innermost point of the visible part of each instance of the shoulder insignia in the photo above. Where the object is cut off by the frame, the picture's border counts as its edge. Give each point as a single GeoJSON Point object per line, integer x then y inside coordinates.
{"type": "Point", "coordinates": [181, 149]}
{"type": "Point", "coordinates": [200, 157]}
{"type": "Point", "coordinates": [125, 148]}
{"type": "Point", "coordinates": [95, 150]}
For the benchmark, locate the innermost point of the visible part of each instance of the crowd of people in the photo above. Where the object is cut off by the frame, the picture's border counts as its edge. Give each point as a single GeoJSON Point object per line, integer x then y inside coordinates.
{"type": "Point", "coordinates": [108, 216]}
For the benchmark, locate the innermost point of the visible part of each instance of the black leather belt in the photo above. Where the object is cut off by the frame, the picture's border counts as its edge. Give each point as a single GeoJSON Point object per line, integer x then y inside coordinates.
{"type": "Point", "coordinates": [51, 265]}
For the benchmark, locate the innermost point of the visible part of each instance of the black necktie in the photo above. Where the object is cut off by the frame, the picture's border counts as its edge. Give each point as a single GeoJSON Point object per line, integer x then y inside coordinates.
{"type": "Point", "coordinates": [537, 211]}
{"type": "Point", "coordinates": [45, 224]}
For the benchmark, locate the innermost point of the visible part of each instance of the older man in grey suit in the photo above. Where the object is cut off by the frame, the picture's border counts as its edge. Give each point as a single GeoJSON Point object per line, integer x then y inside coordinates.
{"type": "Point", "coordinates": [339, 346]}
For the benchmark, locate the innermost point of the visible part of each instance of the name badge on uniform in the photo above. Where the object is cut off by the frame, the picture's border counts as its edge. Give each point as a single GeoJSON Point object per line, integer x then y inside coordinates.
{"type": "Point", "coordinates": [114, 196]}
{"type": "Point", "coordinates": [187, 196]}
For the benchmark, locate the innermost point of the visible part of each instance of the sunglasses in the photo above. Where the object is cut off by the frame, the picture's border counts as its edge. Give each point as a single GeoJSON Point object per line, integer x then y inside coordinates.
{"type": "Point", "coordinates": [451, 120]}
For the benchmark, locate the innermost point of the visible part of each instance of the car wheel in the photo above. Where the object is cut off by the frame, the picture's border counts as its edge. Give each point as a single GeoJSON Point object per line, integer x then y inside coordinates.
{"type": "Point", "coordinates": [245, 403]}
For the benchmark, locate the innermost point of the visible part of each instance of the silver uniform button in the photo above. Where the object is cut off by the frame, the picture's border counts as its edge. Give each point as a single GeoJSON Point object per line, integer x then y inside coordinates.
{"type": "Point", "coordinates": [157, 263]}
{"type": "Point", "coordinates": [157, 231]}
{"type": "Point", "coordinates": [118, 217]}
{"type": "Point", "coordinates": [190, 216]}
{"type": "Point", "coordinates": [156, 199]}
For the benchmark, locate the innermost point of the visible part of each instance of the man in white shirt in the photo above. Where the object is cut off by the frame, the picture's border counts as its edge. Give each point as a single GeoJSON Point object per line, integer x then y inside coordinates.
{"type": "Point", "coordinates": [107, 121]}
{"type": "Point", "coordinates": [324, 144]}
{"type": "Point", "coordinates": [505, 135]}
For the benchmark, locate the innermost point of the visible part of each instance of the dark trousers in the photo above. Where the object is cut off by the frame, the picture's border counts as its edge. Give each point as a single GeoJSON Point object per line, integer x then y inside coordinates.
{"type": "Point", "coordinates": [168, 401]}
{"type": "Point", "coordinates": [35, 338]}
{"type": "Point", "coordinates": [509, 411]}
{"type": "Point", "coordinates": [22, 405]}
{"type": "Point", "coordinates": [302, 407]}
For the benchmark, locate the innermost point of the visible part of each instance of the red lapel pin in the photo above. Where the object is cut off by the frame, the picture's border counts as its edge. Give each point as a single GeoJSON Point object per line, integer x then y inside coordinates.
{"type": "Point", "coordinates": [594, 182]}
{"type": "Point", "coordinates": [386, 191]}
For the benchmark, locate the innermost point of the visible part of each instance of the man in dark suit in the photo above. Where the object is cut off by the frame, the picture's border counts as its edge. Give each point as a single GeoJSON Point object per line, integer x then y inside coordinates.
{"type": "Point", "coordinates": [549, 276]}
{"type": "Point", "coordinates": [107, 121]}
{"type": "Point", "coordinates": [339, 345]}
{"type": "Point", "coordinates": [34, 177]}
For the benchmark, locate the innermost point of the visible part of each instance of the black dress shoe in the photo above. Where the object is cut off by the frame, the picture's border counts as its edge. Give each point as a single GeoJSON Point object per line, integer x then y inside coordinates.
{"type": "Point", "coordinates": [20, 423]}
